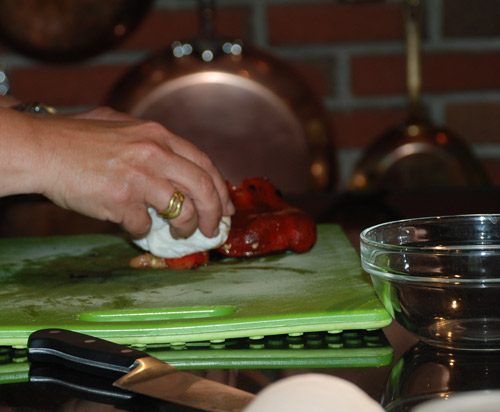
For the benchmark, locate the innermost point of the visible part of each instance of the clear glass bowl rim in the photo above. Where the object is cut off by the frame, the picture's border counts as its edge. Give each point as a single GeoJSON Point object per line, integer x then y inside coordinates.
{"type": "Point", "coordinates": [392, 248]}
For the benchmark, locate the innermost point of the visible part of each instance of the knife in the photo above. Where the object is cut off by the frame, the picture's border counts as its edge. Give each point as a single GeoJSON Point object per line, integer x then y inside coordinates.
{"type": "Point", "coordinates": [136, 371]}
{"type": "Point", "coordinates": [46, 377]}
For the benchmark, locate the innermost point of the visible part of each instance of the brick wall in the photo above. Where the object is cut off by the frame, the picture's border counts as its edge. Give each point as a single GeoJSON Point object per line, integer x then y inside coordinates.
{"type": "Point", "coordinates": [351, 53]}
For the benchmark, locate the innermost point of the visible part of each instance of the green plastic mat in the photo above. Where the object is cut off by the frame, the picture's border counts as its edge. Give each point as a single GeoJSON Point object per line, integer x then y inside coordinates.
{"type": "Point", "coordinates": [84, 283]}
{"type": "Point", "coordinates": [348, 349]}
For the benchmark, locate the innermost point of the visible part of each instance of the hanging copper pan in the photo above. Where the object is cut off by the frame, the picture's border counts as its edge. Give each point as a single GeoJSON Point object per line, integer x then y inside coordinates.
{"type": "Point", "coordinates": [68, 30]}
{"type": "Point", "coordinates": [417, 153]}
{"type": "Point", "coordinates": [251, 113]}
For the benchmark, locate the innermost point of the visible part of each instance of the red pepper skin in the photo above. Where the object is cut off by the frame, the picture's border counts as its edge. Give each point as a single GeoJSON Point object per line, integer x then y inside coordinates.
{"type": "Point", "coordinates": [264, 223]}
{"type": "Point", "coordinates": [192, 261]}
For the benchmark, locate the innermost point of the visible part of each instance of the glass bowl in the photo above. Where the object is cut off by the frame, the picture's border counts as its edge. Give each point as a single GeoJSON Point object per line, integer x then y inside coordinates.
{"type": "Point", "coordinates": [439, 277]}
{"type": "Point", "coordinates": [478, 401]}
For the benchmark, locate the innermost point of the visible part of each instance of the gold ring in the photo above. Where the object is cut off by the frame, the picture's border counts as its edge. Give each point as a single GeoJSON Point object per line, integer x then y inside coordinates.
{"type": "Point", "coordinates": [174, 207]}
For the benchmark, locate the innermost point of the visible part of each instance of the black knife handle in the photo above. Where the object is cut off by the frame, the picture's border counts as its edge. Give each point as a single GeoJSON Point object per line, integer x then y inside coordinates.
{"type": "Point", "coordinates": [77, 384]}
{"type": "Point", "coordinates": [98, 389]}
{"type": "Point", "coordinates": [82, 352]}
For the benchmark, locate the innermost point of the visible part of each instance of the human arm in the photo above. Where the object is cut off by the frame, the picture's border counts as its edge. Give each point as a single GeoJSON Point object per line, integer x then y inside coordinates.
{"type": "Point", "coordinates": [109, 166]}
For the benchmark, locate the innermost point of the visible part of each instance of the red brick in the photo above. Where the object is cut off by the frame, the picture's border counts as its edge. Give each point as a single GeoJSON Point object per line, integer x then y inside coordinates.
{"type": "Point", "coordinates": [333, 22]}
{"type": "Point", "coordinates": [318, 75]}
{"type": "Point", "coordinates": [462, 71]}
{"type": "Point", "coordinates": [70, 85]}
{"type": "Point", "coordinates": [161, 27]}
{"type": "Point", "coordinates": [360, 128]}
{"type": "Point", "coordinates": [476, 122]}
{"type": "Point", "coordinates": [375, 75]}
{"type": "Point", "coordinates": [471, 18]}
{"type": "Point", "coordinates": [386, 74]}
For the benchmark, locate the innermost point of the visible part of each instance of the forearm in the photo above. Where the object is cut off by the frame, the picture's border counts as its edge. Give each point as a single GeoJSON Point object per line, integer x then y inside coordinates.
{"type": "Point", "coordinates": [19, 153]}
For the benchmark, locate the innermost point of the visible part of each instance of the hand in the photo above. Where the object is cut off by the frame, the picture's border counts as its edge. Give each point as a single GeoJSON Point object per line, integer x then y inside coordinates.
{"type": "Point", "coordinates": [109, 166]}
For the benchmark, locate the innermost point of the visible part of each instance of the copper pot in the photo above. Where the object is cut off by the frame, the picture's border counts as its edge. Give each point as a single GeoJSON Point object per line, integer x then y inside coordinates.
{"type": "Point", "coordinates": [250, 111]}
{"type": "Point", "coordinates": [67, 30]}
{"type": "Point", "coordinates": [417, 153]}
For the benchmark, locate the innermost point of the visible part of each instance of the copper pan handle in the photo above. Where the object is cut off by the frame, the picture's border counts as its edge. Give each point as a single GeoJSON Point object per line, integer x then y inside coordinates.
{"type": "Point", "coordinates": [208, 44]}
{"type": "Point", "coordinates": [413, 26]}
{"type": "Point", "coordinates": [206, 12]}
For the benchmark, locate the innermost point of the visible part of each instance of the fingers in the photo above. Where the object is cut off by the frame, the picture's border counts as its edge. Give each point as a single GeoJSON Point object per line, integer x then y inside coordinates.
{"type": "Point", "coordinates": [194, 154]}
{"type": "Point", "coordinates": [169, 165]}
{"type": "Point", "coordinates": [136, 221]}
{"type": "Point", "coordinates": [186, 223]}
{"type": "Point", "coordinates": [201, 206]}
{"type": "Point", "coordinates": [127, 166]}
{"type": "Point", "coordinates": [206, 194]}
{"type": "Point", "coordinates": [200, 188]}
{"type": "Point", "coordinates": [157, 173]}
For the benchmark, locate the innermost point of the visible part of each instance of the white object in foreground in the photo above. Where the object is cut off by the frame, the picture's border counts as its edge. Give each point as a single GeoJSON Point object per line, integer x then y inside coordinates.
{"type": "Point", "coordinates": [160, 242]}
{"type": "Point", "coordinates": [314, 393]}
{"type": "Point", "coordinates": [477, 401]}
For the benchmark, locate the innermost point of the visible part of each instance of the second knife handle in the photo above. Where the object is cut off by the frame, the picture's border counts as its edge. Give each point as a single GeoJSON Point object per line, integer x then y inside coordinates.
{"type": "Point", "coordinates": [82, 352]}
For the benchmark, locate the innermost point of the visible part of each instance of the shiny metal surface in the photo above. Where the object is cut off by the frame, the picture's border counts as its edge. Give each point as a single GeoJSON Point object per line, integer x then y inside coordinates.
{"type": "Point", "coordinates": [416, 153]}
{"type": "Point", "coordinates": [424, 373]}
{"type": "Point", "coordinates": [250, 111]}
{"type": "Point", "coordinates": [155, 378]}
{"type": "Point", "coordinates": [68, 30]}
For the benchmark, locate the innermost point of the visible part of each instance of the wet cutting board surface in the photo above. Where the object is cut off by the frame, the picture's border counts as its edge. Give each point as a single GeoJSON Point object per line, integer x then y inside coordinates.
{"type": "Point", "coordinates": [84, 283]}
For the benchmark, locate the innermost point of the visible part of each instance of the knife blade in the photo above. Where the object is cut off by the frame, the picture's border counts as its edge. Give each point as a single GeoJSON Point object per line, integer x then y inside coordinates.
{"type": "Point", "coordinates": [48, 377]}
{"type": "Point", "coordinates": [133, 370]}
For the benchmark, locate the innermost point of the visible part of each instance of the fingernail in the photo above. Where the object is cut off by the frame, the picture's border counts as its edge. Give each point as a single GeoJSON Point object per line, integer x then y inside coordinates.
{"type": "Point", "coordinates": [230, 208]}
{"type": "Point", "coordinates": [173, 233]}
{"type": "Point", "coordinates": [216, 232]}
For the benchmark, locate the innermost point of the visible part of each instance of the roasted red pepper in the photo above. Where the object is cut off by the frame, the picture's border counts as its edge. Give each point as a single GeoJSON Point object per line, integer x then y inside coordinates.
{"type": "Point", "coordinates": [189, 261]}
{"type": "Point", "coordinates": [264, 223]}
{"type": "Point", "coordinates": [147, 260]}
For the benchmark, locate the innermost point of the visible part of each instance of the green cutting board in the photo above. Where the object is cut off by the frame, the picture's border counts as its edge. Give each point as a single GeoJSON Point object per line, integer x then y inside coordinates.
{"type": "Point", "coordinates": [84, 283]}
{"type": "Point", "coordinates": [348, 349]}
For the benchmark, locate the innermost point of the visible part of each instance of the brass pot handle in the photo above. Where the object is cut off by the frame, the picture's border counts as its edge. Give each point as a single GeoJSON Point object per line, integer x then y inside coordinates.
{"type": "Point", "coordinates": [413, 26]}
